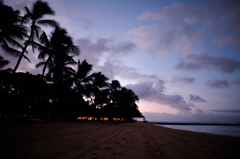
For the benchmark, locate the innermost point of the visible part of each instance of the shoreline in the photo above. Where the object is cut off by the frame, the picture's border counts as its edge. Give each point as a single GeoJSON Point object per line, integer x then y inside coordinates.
{"type": "Point", "coordinates": [124, 140]}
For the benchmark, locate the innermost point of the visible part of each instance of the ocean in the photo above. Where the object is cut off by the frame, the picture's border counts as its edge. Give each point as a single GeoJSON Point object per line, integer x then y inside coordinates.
{"type": "Point", "coordinates": [212, 129]}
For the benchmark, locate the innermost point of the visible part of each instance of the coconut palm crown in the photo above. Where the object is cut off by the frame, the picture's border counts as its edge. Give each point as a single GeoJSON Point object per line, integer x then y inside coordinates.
{"type": "Point", "coordinates": [34, 17]}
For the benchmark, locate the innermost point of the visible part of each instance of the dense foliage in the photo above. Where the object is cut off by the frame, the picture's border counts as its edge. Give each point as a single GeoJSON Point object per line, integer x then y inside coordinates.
{"type": "Point", "coordinates": [60, 92]}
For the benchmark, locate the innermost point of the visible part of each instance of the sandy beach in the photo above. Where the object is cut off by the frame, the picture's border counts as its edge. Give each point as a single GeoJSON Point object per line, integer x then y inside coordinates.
{"type": "Point", "coordinates": [79, 140]}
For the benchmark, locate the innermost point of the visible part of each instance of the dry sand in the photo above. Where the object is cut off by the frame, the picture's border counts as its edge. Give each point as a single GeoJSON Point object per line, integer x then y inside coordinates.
{"type": "Point", "coordinates": [67, 140]}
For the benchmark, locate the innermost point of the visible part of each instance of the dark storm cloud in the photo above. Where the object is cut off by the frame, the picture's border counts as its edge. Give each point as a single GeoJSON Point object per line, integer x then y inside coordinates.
{"type": "Point", "coordinates": [195, 98]}
{"type": "Point", "coordinates": [183, 79]}
{"type": "Point", "coordinates": [155, 92]}
{"type": "Point", "coordinates": [198, 62]}
{"type": "Point", "coordinates": [217, 83]}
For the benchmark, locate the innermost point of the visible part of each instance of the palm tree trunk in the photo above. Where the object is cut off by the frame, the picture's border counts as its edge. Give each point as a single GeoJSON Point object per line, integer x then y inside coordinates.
{"type": "Point", "coordinates": [44, 68]}
{"type": "Point", "coordinates": [20, 57]}
{"type": "Point", "coordinates": [24, 49]}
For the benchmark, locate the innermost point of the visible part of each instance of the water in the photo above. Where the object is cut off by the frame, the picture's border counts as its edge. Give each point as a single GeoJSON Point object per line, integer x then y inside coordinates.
{"type": "Point", "coordinates": [212, 129]}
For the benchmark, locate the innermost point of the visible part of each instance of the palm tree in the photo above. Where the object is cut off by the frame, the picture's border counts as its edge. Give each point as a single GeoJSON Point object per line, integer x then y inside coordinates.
{"type": "Point", "coordinates": [60, 51]}
{"type": "Point", "coordinates": [98, 85]}
{"type": "Point", "coordinates": [126, 103]}
{"type": "Point", "coordinates": [60, 72]}
{"type": "Point", "coordinates": [82, 76]}
{"type": "Point", "coordinates": [10, 30]}
{"type": "Point", "coordinates": [34, 18]}
{"type": "Point", "coordinates": [45, 50]}
{"type": "Point", "coordinates": [56, 48]}
{"type": "Point", "coordinates": [114, 89]}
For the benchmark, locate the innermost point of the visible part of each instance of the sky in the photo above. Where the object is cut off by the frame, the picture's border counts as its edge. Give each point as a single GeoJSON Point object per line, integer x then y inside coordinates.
{"type": "Point", "coordinates": [181, 57]}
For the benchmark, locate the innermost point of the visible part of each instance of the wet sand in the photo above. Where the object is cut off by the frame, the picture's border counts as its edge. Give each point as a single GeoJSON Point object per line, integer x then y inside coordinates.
{"type": "Point", "coordinates": [67, 140]}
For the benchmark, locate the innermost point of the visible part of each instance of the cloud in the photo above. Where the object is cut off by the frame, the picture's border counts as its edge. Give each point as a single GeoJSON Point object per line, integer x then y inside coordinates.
{"type": "Point", "coordinates": [176, 13]}
{"type": "Point", "coordinates": [114, 67]}
{"type": "Point", "coordinates": [156, 39]}
{"type": "Point", "coordinates": [236, 82]}
{"type": "Point", "coordinates": [196, 98]}
{"type": "Point", "coordinates": [92, 50]}
{"type": "Point", "coordinates": [206, 15]}
{"type": "Point", "coordinates": [217, 83]}
{"type": "Point", "coordinates": [148, 87]}
{"type": "Point", "coordinates": [185, 26]}
{"type": "Point", "coordinates": [198, 62]}
{"type": "Point", "coordinates": [227, 40]}
{"type": "Point", "coordinates": [155, 92]}
{"type": "Point", "coordinates": [183, 32]}
{"type": "Point", "coordinates": [182, 79]}
{"type": "Point", "coordinates": [224, 83]}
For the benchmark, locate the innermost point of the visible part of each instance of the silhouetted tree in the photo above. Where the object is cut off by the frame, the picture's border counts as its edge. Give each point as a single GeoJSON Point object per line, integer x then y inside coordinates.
{"type": "Point", "coordinates": [127, 99]}
{"type": "Point", "coordinates": [45, 49]}
{"type": "Point", "coordinates": [63, 51]}
{"type": "Point", "coordinates": [97, 85]}
{"type": "Point", "coordinates": [34, 18]}
{"type": "Point", "coordinates": [11, 30]}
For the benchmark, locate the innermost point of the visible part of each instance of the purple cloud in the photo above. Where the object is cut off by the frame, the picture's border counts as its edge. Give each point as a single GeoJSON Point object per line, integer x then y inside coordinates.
{"type": "Point", "coordinates": [113, 68]}
{"type": "Point", "coordinates": [183, 79]}
{"type": "Point", "coordinates": [227, 40]}
{"type": "Point", "coordinates": [93, 50]}
{"type": "Point", "coordinates": [196, 98]}
{"type": "Point", "coordinates": [155, 92]}
{"type": "Point", "coordinates": [105, 45]}
{"type": "Point", "coordinates": [188, 25]}
{"type": "Point", "coordinates": [177, 13]}
{"type": "Point", "coordinates": [198, 62]}
{"type": "Point", "coordinates": [236, 82]}
{"type": "Point", "coordinates": [217, 83]}
{"type": "Point", "coordinates": [156, 39]}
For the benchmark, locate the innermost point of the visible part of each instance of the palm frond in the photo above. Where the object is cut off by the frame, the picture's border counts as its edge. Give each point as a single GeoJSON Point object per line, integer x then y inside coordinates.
{"type": "Point", "coordinates": [11, 51]}
{"type": "Point", "coordinates": [25, 57]}
{"type": "Point", "coordinates": [13, 42]}
{"type": "Point", "coordinates": [40, 9]}
{"type": "Point", "coordinates": [40, 64]}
